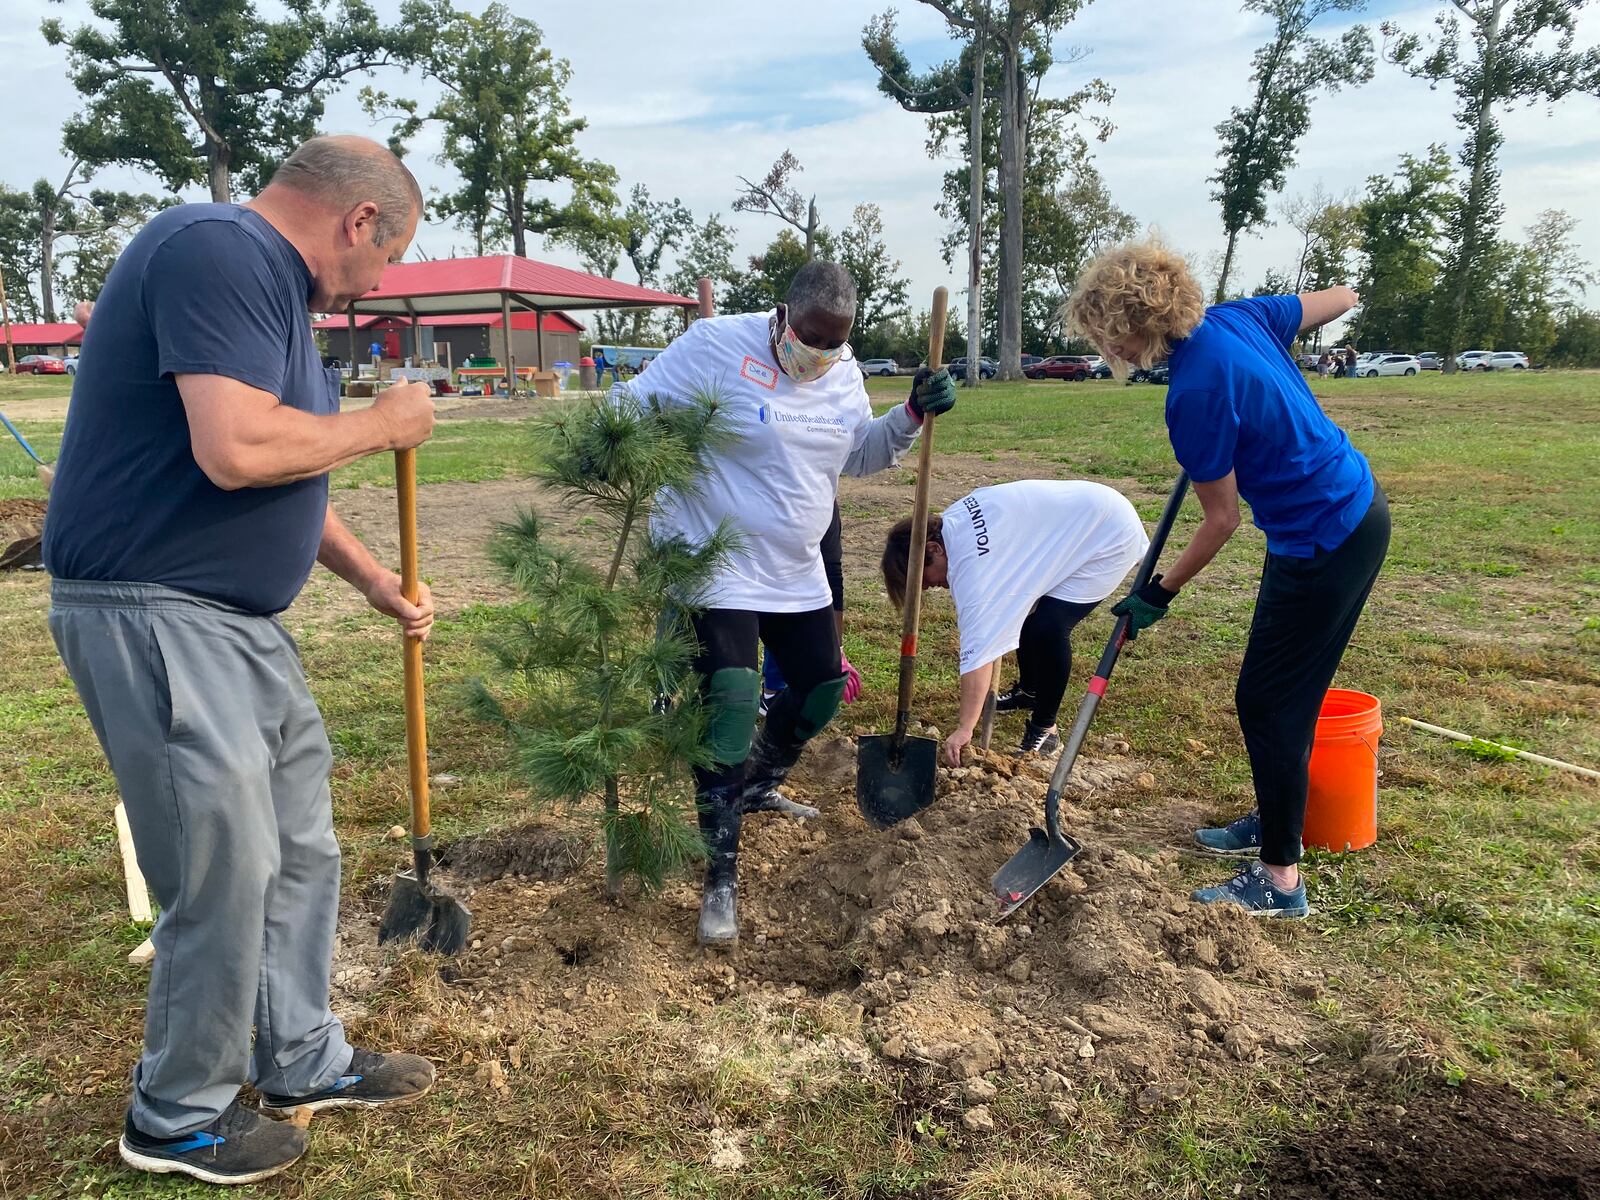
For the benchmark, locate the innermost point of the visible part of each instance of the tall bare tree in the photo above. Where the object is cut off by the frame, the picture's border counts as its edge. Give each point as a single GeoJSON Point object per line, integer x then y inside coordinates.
{"type": "Point", "coordinates": [776, 196]}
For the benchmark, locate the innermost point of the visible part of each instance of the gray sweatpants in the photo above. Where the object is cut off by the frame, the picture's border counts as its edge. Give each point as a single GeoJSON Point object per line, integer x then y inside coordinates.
{"type": "Point", "coordinates": [222, 762]}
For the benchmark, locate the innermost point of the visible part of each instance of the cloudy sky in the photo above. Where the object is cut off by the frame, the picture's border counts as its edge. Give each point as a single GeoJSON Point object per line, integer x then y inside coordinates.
{"type": "Point", "coordinates": [686, 97]}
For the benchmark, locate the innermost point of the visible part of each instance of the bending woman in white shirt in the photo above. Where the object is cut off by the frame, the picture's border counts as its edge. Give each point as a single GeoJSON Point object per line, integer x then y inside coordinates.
{"type": "Point", "coordinates": [1024, 562]}
{"type": "Point", "coordinates": [799, 410]}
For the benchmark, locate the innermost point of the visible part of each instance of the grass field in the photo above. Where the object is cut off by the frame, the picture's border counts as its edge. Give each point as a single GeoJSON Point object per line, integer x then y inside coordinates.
{"type": "Point", "coordinates": [1472, 929]}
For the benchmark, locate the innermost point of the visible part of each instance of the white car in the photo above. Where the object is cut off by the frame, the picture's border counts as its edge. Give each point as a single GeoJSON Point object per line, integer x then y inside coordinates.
{"type": "Point", "coordinates": [71, 361]}
{"type": "Point", "coordinates": [879, 366]}
{"type": "Point", "coordinates": [1388, 364]}
{"type": "Point", "coordinates": [1504, 360]}
{"type": "Point", "coordinates": [1472, 360]}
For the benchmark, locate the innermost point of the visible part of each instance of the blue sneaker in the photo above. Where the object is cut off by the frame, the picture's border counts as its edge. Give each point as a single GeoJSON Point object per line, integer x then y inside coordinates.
{"type": "Point", "coordinates": [1242, 838]}
{"type": "Point", "coordinates": [240, 1146]}
{"type": "Point", "coordinates": [1252, 889]}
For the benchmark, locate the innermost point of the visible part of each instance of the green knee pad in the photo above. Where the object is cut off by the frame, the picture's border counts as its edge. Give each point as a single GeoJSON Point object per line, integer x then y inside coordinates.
{"type": "Point", "coordinates": [733, 700]}
{"type": "Point", "coordinates": [821, 704]}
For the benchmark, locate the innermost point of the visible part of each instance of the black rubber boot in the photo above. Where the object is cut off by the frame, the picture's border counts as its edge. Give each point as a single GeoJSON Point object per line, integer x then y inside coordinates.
{"type": "Point", "coordinates": [719, 899]}
{"type": "Point", "coordinates": [1037, 739]}
{"type": "Point", "coordinates": [1014, 700]}
{"type": "Point", "coordinates": [764, 772]}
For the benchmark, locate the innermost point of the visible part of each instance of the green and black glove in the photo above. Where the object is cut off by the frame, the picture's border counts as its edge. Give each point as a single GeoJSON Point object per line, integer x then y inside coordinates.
{"type": "Point", "coordinates": [1144, 607]}
{"type": "Point", "coordinates": [933, 393]}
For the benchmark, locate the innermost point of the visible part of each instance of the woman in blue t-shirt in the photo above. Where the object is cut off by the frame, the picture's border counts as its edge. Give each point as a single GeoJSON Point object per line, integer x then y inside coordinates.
{"type": "Point", "coordinates": [1243, 423]}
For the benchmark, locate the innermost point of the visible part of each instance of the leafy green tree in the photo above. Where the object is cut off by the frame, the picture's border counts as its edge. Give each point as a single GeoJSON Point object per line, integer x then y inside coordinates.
{"type": "Point", "coordinates": [199, 91]}
{"type": "Point", "coordinates": [1329, 231]}
{"type": "Point", "coordinates": [881, 291]}
{"type": "Point", "coordinates": [507, 128]}
{"type": "Point", "coordinates": [1577, 341]}
{"type": "Point", "coordinates": [954, 86]}
{"type": "Point", "coordinates": [1403, 221]}
{"type": "Point", "coordinates": [1259, 141]}
{"type": "Point", "coordinates": [594, 684]}
{"type": "Point", "coordinates": [708, 254]}
{"type": "Point", "coordinates": [19, 252]}
{"type": "Point", "coordinates": [770, 274]}
{"type": "Point", "coordinates": [1493, 53]}
{"type": "Point", "coordinates": [642, 234]}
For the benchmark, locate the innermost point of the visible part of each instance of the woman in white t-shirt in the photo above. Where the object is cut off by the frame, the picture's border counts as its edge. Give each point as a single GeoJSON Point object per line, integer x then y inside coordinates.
{"type": "Point", "coordinates": [1024, 562]}
{"type": "Point", "coordinates": [798, 409]}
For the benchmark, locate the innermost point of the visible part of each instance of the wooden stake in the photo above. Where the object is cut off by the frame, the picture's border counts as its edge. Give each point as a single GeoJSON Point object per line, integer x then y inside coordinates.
{"type": "Point", "coordinates": [138, 893]}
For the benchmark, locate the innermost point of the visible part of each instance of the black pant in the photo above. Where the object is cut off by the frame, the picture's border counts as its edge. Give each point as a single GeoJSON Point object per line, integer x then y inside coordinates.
{"type": "Point", "coordinates": [806, 647]}
{"type": "Point", "coordinates": [1306, 610]}
{"type": "Point", "coordinates": [1044, 655]}
{"type": "Point", "coordinates": [832, 551]}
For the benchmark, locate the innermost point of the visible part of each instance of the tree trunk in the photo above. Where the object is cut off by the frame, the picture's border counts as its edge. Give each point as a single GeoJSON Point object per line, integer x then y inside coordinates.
{"type": "Point", "coordinates": [47, 267]}
{"type": "Point", "coordinates": [1472, 217]}
{"type": "Point", "coordinates": [1011, 156]}
{"type": "Point", "coordinates": [1227, 266]}
{"type": "Point", "coordinates": [517, 217]}
{"type": "Point", "coordinates": [218, 161]}
{"type": "Point", "coordinates": [811, 230]}
{"type": "Point", "coordinates": [613, 856]}
{"type": "Point", "coordinates": [974, 377]}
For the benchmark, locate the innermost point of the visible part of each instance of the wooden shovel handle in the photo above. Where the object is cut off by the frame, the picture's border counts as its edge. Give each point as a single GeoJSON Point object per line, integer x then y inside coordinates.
{"type": "Point", "coordinates": [405, 480]}
{"type": "Point", "coordinates": [919, 528]}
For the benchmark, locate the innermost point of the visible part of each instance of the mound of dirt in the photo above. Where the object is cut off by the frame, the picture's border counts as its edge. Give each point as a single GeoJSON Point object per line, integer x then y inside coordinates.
{"type": "Point", "coordinates": [21, 524]}
{"type": "Point", "coordinates": [1110, 974]}
{"type": "Point", "coordinates": [1466, 1143]}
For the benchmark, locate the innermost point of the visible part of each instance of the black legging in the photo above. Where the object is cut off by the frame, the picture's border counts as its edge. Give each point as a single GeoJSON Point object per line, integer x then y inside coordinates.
{"type": "Point", "coordinates": [1044, 655]}
{"type": "Point", "coordinates": [832, 551]}
{"type": "Point", "coordinates": [1306, 610]}
{"type": "Point", "coordinates": [806, 648]}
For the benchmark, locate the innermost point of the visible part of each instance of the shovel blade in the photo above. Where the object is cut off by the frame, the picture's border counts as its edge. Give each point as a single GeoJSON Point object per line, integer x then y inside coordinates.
{"type": "Point", "coordinates": [439, 922]}
{"type": "Point", "coordinates": [1030, 868]}
{"type": "Point", "coordinates": [894, 782]}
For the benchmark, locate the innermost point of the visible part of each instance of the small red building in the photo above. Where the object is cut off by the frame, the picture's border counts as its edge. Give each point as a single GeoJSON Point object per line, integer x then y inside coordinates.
{"type": "Point", "coordinates": [61, 338]}
{"type": "Point", "coordinates": [465, 336]}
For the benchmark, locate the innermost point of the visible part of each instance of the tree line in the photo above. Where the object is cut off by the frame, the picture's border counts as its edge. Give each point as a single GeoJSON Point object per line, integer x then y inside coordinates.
{"type": "Point", "coordinates": [213, 93]}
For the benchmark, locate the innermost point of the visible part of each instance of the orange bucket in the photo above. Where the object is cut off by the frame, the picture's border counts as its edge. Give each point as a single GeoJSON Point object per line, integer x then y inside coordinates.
{"type": "Point", "coordinates": [1342, 801]}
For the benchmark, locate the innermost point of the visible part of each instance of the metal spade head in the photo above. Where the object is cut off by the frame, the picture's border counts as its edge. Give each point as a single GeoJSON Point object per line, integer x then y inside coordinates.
{"type": "Point", "coordinates": [1030, 868]}
{"type": "Point", "coordinates": [894, 781]}
{"type": "Point", "coordinates": [419, 910]}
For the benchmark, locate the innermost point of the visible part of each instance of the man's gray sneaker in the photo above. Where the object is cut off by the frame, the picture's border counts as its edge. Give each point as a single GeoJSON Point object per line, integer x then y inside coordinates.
{"type": "Point", "coordinates": [1252, 889]}
{"type": "Point", "coordinates": [1242, 837]}
{"type": "Point", "coordinates": [369, 1081]}
{"type": "Point", "coordinates": [240, 1146]}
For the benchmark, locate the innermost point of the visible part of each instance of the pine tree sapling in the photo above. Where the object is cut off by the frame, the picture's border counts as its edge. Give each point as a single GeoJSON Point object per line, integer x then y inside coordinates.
{"type": "Point", "coordinates": [594, 684]}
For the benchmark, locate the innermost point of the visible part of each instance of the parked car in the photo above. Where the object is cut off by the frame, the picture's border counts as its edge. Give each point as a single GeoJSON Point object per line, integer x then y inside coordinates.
{"type": "Point", "coordinates": [1505, 360]}
{"type": "Point", "coordinates": [71, 363]}
{"type": "Point", "coordinates": [1061, 366]}
{"type": "Point", "coordinates": [987, 368]}
{"type": "Point", "coordinates": [1161, 373]}
{"type": "Point", "coordinates": [1030, 360]}
{"type": "Point", "coordinates": [1102, 370]}
{"type": "Point", "coordinates": [40, 364]}
{"type": "Point", "coordinates": [879, 366]}
{"type": "Point", "coordinates": [1472, 360]}
{"type": "Point", "coordinates": [1388, 364]}
{"type": "Point", "coordinates": [1429, 360]}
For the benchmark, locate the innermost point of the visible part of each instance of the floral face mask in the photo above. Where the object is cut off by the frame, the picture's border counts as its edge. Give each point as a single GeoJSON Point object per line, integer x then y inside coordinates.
{"type": "Point", "coordinates": [800, 362]}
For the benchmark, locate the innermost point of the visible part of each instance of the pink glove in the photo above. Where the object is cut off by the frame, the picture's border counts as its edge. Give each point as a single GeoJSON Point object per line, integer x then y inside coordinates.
{"type": "Point", "coordinates": [852, 680]}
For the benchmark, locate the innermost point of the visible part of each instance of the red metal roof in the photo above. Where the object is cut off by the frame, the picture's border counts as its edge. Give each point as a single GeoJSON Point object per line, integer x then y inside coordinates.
{"type": "Point", "coordinates": [62, 333]}
{"type": "Point", "coordinates": [553, 322]}
{"type": "Point", "coordinates": [459, 286]}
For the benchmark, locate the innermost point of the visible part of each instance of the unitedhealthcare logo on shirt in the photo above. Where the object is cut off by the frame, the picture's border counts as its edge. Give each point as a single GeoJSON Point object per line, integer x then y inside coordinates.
{"type": "Point", "coordinates": [765, 413]}
{"type": "Point", "coordinates": [771, 414]}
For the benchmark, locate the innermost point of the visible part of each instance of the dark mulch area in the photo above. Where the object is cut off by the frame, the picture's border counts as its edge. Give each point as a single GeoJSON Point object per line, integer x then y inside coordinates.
{"type": "Point", "coordinates": [1468, 1143]}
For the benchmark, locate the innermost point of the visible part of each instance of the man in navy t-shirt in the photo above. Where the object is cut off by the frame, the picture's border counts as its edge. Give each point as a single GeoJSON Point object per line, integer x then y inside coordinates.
{"type": "Point", "coordinates": [190, 504]}
{"type": "Point", "coordinates": [1244, 425]}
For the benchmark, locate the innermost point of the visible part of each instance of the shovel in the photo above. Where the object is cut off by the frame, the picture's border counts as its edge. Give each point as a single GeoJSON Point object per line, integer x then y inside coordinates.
{"type": "Point", "coordinates": [41, 468]}
{"type": "Point", "coordinates": [417, 908]}
{"type": "Point", "coordinates": [895, 773]}
{"type": "Point", "coordinates": [1048, 849]}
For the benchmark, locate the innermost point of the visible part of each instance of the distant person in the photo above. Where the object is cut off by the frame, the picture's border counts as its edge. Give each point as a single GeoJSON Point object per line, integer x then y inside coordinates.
{"type": "Point", "coordinates": [1324, 364]}
{"type": "Point", "coordinates": [1244, 424]}
{"type": "Point", "coordinates": [189, 507]}
{"type": "Point", "coordinates": [1350, 364]}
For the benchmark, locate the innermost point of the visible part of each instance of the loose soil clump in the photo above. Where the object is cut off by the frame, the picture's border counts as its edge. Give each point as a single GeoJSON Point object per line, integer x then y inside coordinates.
{"type": "Point", "coordinates": [1111, 975]}
{"type": "Point", "coordinates": [21, 526]}
{"type": "Point", "coordinates": [1468, 1143]}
